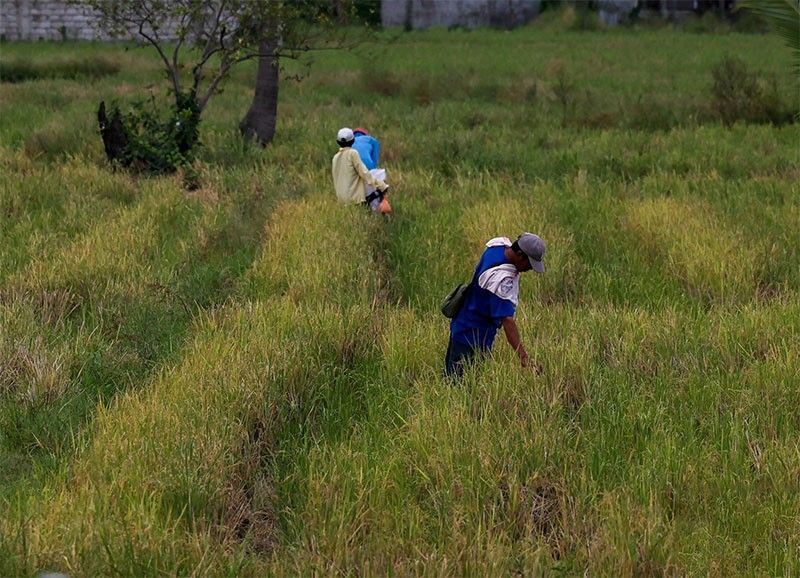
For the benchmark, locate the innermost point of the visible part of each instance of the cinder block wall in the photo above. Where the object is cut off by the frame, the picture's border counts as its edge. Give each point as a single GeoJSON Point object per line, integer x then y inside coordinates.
{"type": "Point", "coordinates": [50, 20]}
{"type": "Point", "coordinates": [45, 20]}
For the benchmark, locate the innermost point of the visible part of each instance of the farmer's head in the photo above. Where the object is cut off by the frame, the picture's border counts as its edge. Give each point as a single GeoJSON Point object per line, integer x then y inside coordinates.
{"type": "Point", "coordinates": [527, 253]}
{"type": "Point", "coordinates": [360, 131]}
{"type": "Point", "coordinates": [345, 137]}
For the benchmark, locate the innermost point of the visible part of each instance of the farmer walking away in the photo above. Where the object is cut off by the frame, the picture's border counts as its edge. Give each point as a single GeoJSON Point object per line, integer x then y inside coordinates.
{"type": "Point", "coordinates": [353, 181]}
{"type": "Point", "coordinates": [490, 300]}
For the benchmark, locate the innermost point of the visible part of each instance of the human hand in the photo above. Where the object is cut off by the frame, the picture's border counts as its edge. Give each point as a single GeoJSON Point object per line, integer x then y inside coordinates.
{"type": "Point", "coordinates": [528, 363]}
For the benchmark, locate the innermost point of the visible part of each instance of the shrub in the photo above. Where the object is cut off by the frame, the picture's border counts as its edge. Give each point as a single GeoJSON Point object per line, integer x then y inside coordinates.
{"type": "Point", "coordinates": [739, 94]}
{"type": "Point", "coordinates": [583, 19]}
{"type": "Point", "coordinates": [140, 139]}
{"type": "Point", "coordinates": [367, 11]}
{"type": "Point", "coordinates": [563, 87]}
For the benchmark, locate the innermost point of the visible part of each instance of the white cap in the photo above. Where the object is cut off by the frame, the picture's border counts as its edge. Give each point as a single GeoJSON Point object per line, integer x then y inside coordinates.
{"type": "Point", "coordinates": [345, 135]}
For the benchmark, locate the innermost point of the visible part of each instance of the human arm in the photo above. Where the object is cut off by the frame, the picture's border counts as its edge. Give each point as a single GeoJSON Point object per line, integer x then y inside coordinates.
{"type": "Point", "coordinates": [512, 335]}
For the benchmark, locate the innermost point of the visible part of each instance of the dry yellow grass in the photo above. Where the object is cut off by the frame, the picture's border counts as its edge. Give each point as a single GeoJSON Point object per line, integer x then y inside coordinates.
{"type": "Point", "coordinates": [714, 260]}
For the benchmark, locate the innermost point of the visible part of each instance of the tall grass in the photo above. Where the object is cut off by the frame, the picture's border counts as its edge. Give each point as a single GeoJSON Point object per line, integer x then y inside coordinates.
{"type": "Point", "coordinates": [245, 379]}
{"type": "Point", "coordinates": [713, 260]}
{"type": "Point", "coordinates": [107, 309]}
{"type": "Point", "coordinates": [21, 70]}
{"type": "Point", "coordinates": [61, 201]}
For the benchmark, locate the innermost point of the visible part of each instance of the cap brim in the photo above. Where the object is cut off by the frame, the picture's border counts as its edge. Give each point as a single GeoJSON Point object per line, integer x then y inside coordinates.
{"type": "Point", "coordinates": [537, 266]}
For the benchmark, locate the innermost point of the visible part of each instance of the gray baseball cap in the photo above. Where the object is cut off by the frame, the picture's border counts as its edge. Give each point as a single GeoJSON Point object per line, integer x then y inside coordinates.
{"type": "Point", "coordinates": [533, 246]}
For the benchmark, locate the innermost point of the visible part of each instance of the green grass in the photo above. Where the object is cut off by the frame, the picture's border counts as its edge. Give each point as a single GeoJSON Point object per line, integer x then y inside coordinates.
{"type": "Point", "coordinates": [21, 69]}
{"type": "Point", "coordinates": [245, 380]}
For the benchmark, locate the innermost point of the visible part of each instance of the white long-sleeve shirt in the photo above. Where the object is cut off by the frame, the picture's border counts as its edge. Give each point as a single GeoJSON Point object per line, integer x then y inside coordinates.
{"type": "Point", "coordinates": [350, 175]}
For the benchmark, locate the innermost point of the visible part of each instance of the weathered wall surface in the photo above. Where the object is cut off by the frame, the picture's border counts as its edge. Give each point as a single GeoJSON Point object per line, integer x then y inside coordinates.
{"type": "Point", "coordinates": [53, 20]}
{"type": "Point", "coordinates": [468, 13]}
{"type": "Point", "coordinates": [612, 12]}
{"type": "Point", "coordinates": [45, 20]}
{"type": "Point", "coordinates": [509, 13]}
{"type": "Point", "coordinates": [59, 20]}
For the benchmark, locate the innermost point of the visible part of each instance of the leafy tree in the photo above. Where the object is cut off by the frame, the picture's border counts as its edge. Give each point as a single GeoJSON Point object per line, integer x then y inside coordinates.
{"type": "Point", "coordinates": [287, 29]}
{"type": "Point", "coordinates": [199, 42]}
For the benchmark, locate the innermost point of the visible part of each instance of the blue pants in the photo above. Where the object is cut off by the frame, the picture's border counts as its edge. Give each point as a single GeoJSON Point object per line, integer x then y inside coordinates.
{"type": "Point", "coordinates": [458, 355]}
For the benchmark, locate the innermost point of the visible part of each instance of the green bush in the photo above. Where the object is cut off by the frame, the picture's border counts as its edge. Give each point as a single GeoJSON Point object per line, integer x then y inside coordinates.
{"type": "Point", "coordinates": [741, 95]}
{"type": "Point", "coordinates": [156, 145]}
{"type": "Point", "coordinates": [563, 87]}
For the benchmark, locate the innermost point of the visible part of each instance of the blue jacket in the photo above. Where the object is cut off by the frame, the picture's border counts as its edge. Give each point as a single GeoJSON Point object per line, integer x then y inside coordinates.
{"type": "Point", "coordinates": [369, 149]}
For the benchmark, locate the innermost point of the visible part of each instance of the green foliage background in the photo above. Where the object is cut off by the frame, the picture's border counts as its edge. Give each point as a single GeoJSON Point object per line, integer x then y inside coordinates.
{"type": "Point", "coordinates": [245, 379]}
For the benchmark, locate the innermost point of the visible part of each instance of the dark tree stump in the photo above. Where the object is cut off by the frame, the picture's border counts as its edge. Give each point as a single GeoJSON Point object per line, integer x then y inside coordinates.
{"type": "Point", "coordinates": [115, 139]}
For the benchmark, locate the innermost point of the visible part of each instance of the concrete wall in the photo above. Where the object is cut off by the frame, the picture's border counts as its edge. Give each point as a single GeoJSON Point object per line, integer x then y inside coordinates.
{"type": "Point", "coordinates": [509, 13]}
{"type": "Point", "coordinates": [51, 20]}
{"type": "Point", "coordinates": [58, 19]}
{"type": "Point", "coordinates": [612, 12]}
{"type": "Point", "coordinates": [45, 20]}
{"type": "Point", "coordinates": [468, 13]}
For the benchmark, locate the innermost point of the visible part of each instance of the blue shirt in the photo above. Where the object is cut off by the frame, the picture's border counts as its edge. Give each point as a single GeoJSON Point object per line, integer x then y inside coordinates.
{"type": "Point", "coordinates": [483, 312]}
{"type": "Point", "coordinates": [369, 149]}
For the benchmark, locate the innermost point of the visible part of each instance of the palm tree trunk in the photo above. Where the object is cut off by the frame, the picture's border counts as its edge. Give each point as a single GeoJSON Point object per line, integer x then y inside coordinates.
{"type": "Point", "coordinates": [259, 122]}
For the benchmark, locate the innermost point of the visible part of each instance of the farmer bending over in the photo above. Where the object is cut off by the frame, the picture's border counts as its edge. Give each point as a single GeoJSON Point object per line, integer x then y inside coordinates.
{"type": "Point", "coordinates": [351, 178]}
{"type": "Point", "coordinates": [367, 147]}
{"type": "Point", "coordinates": [491, 300]}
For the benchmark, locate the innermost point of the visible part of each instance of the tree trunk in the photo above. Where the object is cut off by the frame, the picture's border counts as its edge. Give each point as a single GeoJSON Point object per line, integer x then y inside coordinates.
{"type": "Point", "coordinates": [340, 10]}
{"type": "Point", "coordinates": [259, 122]}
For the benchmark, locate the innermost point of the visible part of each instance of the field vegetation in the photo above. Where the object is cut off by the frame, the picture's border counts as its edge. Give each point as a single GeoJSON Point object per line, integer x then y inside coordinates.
{"type": "Point", "coordinates": [245, 378]}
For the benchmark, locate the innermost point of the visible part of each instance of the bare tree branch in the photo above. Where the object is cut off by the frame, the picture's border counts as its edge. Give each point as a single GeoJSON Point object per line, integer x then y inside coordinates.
{"type": "Point", "coordinates": [212, 87]}
{"type": "Point", "coordinates": [171, 71]}
{"type": "Point", "coordinates": [209, 50]}
{"type": "Point", "coordinates": [225, 33]}
{"type": "Point", "coordinates": [186, 16]}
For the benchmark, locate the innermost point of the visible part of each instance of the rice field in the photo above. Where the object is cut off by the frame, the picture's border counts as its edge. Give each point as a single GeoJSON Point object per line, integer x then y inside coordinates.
{"type": "Point", "coordinates": [246, 379]}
